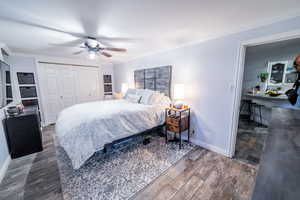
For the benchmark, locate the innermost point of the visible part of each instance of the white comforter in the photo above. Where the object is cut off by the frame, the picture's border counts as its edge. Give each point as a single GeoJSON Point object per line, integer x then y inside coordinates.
{"type": "Point", "coordinates": [83, 129]}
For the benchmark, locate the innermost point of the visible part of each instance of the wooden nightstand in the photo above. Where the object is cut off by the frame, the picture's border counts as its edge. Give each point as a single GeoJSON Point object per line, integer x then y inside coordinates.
{"type": "Point", "coordinates": [177, 121]}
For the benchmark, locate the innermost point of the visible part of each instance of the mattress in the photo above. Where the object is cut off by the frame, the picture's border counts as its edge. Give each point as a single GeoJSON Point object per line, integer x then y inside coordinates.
{"type": "Point", "coordinates": [83, 129]}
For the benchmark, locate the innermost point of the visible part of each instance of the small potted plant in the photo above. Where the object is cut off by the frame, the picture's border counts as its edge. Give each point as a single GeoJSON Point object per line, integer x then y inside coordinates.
{"type": "Point", "coordinates": [263, 76]}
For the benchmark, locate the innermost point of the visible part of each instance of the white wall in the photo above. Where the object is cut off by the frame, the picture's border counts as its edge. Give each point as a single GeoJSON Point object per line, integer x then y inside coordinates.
{"type": "Point", "coordinates": [208, 71]}
{"type": "Point", "coordinates": [4, 154]}
{"type": "Point", "coordinates": [1, 55]}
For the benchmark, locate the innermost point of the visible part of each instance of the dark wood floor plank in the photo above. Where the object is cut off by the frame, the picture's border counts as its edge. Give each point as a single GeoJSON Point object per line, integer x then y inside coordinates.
{"type": "Point", "coordinates": [166, 193]}
{"type": "Point", "coordinates": [154, 188]}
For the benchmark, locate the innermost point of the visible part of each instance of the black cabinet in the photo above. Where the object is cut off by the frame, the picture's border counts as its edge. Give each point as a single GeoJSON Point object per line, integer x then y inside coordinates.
{"type": "Point", "coordinates": [23, 133]}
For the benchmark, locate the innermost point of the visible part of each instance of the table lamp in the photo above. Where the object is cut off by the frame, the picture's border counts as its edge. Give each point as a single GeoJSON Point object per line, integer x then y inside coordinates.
{"type": "Point", "coordinates": [124, 88]}
{"type": "Point", "coordinates": [178, 95]}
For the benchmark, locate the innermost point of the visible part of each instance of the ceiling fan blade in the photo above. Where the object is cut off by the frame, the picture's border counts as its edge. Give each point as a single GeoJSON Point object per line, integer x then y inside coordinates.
{"type": "Point", "coordinates": [74, 43]}
{"type": "Point", "coordinates": [105, 54]}
{"type": "Point", "coordinates": [62, 45]}
{"type": "Point", "coordinates": [78, 52]}
{"type": "Point", "coordinates": [28, 23]}
{"type": "Point", "coordinates": [119, 39]}
{"type": "Point", "coordinates": [115, 49]}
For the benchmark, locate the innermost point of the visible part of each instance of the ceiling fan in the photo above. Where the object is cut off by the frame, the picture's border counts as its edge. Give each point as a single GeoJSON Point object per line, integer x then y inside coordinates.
{"type": "Point", "coordinates": [94, 47]}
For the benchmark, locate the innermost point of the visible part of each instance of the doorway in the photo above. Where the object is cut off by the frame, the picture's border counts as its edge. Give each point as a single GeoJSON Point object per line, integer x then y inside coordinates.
{"type": "Point", "coordinates": [250, 121]}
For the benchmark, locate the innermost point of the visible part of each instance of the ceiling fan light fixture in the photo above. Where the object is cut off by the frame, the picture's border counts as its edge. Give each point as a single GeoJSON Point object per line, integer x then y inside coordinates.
{"type": "Point", "coordinates": [92, 43]}
{"type": "Point", "coordinates": [92, 54]}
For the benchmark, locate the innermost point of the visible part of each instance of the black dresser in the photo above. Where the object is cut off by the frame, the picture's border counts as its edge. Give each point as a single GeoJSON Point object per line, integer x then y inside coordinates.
{"type": "Point", "coordinates": [23, 133]}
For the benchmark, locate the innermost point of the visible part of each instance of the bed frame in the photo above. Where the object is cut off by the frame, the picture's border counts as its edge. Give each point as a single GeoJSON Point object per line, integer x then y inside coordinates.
{"type": "Point", "coordinates": [108, 147]}
{"type": "Point", "coordinates": [157, 79]}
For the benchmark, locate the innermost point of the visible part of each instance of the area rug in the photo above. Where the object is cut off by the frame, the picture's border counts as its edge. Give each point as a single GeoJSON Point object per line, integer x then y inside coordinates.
{"type": "Point", "coordinates": [120, 173]}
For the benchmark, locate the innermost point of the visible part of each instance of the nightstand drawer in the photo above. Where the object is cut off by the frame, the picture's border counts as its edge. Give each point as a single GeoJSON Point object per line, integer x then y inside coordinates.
{"type": "Point", "coordinates": [175, 121]}
{"type": "Point", "coordinates": [173, 128]}
{"type": "Point", "coordinates": [172, 120]}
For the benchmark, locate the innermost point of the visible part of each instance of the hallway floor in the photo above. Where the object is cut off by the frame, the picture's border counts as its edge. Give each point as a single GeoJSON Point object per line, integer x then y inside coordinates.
{"type": "Point", "coordinates": [251, 138]}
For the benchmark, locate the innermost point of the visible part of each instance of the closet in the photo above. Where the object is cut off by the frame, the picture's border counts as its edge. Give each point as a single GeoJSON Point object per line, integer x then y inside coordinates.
{"type": "Point", "coordinates": [62, 86]}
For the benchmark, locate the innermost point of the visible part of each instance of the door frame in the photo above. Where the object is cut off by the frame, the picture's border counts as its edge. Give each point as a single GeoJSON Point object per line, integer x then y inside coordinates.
{"type": "Point", "coordinates": [239, 76]}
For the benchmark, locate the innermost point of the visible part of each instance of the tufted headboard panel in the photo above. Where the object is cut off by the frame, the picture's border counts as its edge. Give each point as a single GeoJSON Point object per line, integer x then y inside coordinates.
{"type": "Point", "coordinates": [157, 79]}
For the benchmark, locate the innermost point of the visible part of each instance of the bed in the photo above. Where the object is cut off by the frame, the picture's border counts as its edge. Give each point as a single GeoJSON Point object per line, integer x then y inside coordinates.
{"type": "Point", "coordinates": [84, 129]}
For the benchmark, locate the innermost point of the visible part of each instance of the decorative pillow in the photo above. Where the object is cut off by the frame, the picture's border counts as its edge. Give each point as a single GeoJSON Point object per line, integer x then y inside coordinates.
{"type": "Point", "coordinates": [130, 91]}
{"type": "Point", "coordinates": [133, 98]}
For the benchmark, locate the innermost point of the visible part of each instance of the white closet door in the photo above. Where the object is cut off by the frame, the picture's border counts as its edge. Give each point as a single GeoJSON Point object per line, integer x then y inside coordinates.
{"type": "Point", "coordinates": [88, 84]}
{"type": "Point", "coordinates": [49, 86]}
{"type": "Point", "coordinates": [62, 86]}
{"type": "Point", "coordinates": [67, 86]}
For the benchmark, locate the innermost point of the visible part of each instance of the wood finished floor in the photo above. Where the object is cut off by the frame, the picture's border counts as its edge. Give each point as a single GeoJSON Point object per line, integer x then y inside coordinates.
{"type": "Point", "coordinates": [199, 175]}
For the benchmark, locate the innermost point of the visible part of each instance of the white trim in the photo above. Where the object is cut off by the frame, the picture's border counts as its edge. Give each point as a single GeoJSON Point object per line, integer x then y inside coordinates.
{"type": "Point", "coordinates": [71, 59]}
{"type": "Point", "coordinates": [207, 146]}
{"type": "Point", "coordinates": [210, 147]}
{"type": "Point", "coordinates": [5, 48]}
{"type": "Point", "coordinates": [240, 73]}
{"type": "Point", "coordinates": [4, 168]}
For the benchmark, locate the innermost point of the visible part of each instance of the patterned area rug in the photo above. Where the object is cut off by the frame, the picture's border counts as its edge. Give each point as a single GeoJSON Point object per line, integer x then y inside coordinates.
{"type": "Point", "coordinates": [122, 172]}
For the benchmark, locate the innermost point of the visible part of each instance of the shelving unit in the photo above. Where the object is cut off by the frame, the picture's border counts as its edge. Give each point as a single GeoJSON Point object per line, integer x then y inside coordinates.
{"type": "Point", "coordinates": [108, 87]}
{"type": "Point", "coordinates": [9, 97]}
{"type": "Point", "coordinates": [28, 89]}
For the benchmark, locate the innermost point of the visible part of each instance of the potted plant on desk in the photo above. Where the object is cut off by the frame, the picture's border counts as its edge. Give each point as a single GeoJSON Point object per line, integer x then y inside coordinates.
{"type": "Point", "coordinates": [263, 76]}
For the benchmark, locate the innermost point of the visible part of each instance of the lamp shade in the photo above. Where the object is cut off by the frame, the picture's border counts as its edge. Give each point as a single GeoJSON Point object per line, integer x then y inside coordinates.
{"type": "Point", "coordinates": [178, 92]}
{"type": "Point", "coordinates": [124, 88]}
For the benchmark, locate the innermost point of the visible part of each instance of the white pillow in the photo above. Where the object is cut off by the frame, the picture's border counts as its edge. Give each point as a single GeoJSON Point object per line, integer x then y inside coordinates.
{"type": "Point", "coordinates": [155, 98]}
{"type": "Point", "coordinates": [165, 101]}
{"type": "Point", "coordinates": [146, 96]}
{"type": "Point", "coordinates": [161, 99]}
{"type": "Point", "coordinates": [133, 98]}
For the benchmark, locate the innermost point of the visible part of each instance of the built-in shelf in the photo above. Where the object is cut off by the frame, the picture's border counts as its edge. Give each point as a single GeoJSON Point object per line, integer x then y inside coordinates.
{"type": "Point", "coordinates": [28, 89]}
{"type": "Point", "coordinates": [27, 85]}
{"type": "Point", "coordinates": [29, 98]}
{"type": "Point", "coordinates": [107, 84]}
{"type": "Point", "coordinates": [8, 88]}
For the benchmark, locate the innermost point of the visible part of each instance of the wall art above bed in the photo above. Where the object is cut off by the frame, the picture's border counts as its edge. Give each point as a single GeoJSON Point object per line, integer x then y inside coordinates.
{"type": "Point", "coordinates": [157, 79]}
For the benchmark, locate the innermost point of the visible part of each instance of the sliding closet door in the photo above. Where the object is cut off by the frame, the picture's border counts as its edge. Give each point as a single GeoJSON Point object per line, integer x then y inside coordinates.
{"type": "Point", "coordinates": [88, 84]}
{"type": "Point", "coordinates": [49, 83]}
{"type": "Point", "coordinates": [62, 86]}
{"type": "Point", "coordinates": [67, 86]}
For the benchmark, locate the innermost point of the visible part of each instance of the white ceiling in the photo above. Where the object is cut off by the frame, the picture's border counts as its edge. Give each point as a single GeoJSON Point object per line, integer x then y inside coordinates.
{"type": "Point", "coordinates": [141, 26]}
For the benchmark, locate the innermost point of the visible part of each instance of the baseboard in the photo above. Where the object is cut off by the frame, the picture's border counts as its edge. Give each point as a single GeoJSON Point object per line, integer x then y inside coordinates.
{"type": "Point", "coordinates": [4, 168]}
{"type": "Point", "coordinates": [211, 147]}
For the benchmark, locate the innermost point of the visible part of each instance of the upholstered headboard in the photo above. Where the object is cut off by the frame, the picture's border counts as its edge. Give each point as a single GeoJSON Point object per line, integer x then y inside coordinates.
{"type": "Point", "coordinates": [157, 79]}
